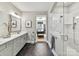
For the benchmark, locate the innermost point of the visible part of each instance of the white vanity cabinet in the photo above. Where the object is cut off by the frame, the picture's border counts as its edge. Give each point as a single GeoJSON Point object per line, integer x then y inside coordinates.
{"type": "Point", "coordinates": [6, 49]}
{"type": "Point", "coordinates": [23, 40]}
{"type": "Point", "coordinates": [12, 47]}
{"type": "Point", "coordinates": [16, 46]}
{"type": "Point", "coordinates": [19, 43]}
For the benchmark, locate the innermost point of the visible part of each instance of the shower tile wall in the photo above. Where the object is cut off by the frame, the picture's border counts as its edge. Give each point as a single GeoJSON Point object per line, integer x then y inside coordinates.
{"type": "Point", "coordinates": [73, 11]}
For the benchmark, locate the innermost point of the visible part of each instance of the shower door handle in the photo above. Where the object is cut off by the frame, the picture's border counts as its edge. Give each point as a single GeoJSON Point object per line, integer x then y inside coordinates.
{"type": "Point", "coordinates": [64, 37]}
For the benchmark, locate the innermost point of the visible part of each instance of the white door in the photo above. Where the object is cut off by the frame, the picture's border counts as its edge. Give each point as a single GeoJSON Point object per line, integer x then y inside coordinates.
{"type": "Point", "coordinates": [41, 26]}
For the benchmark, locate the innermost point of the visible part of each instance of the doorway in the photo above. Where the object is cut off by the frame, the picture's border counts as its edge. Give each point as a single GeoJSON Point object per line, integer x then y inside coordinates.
{"type": "Point", "coordinates": [40, 28]}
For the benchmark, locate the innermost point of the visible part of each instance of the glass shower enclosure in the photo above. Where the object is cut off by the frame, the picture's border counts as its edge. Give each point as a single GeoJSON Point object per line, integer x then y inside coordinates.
{"type": "Point", "coordinates": [65, 28]}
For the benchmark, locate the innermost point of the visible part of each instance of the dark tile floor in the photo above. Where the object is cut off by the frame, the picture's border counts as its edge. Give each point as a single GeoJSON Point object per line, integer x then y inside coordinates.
{"type": "Point", "coordinates": [37, 49]}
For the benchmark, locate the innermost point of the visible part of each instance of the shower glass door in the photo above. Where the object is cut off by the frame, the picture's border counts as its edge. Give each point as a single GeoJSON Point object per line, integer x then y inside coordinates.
{"type": "Point", "coordinates": [71, 29]}
{"type": "Point", "coordinates": [57, 27]}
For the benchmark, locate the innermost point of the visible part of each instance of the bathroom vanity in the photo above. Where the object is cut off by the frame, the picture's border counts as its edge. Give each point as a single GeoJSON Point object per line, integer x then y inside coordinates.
{"type": "Point", "coordinates": [12, 45]}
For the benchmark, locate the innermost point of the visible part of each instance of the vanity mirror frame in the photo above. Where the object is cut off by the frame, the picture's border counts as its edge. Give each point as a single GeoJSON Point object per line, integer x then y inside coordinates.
{"type": "Point", "coordinates": [16, 20]}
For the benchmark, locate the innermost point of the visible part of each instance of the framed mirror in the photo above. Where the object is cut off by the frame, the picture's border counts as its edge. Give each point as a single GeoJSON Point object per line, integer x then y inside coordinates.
{"type": "Point", "coordinates": [15, 24]}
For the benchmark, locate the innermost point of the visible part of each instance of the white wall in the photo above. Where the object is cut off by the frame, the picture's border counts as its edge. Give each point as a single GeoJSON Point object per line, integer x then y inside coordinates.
{"type": "Point", "coordinates": [9, 7]}
{"type": "Point", "coordinates": [6, 8]}
{"type": "Point", "coordinates": [32, 17]}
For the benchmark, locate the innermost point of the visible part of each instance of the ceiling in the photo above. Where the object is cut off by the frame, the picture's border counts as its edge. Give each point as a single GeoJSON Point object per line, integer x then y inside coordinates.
{"type": "Point", "coordinates": [32, 6]}
{"type": "Point", "coordinates": [37, 6]}
{"type": "Point", "coordinates": [65, 4]}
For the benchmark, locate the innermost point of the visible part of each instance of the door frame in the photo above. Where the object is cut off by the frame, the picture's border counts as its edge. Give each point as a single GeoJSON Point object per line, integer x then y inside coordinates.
{"type": "Point", "coordinates": [45, 27]}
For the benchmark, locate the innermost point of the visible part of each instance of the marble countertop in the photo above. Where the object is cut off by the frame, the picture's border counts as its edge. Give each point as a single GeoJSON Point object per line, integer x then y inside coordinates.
{"type": "Point", "coordinates": [5, 40]}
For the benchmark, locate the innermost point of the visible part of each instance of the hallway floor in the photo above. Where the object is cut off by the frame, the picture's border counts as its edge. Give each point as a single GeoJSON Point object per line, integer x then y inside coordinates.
{"type": "Point", "coordinates": [37, 49]}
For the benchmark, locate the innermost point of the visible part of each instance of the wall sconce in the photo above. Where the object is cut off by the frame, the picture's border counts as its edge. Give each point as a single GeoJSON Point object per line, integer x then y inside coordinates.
{"type": "Point", "coordinates": [14, 14]}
